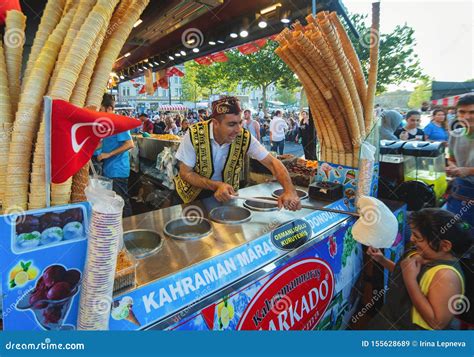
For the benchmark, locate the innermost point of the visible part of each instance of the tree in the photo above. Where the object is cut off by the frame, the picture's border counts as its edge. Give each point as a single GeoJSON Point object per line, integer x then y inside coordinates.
{"type": "Point", "coordinates": [260, 70]}
{"type": "Point", "coordinates": [217, 78]}
{"type": "Point", "coordinates": [422, 93]}
{"type": "Point", "coordinates": [398, 61]}
{"type": "Point", "coordinates": [202, 81]}
{"type": "Point", "coordinates": [285, 95]}
{"type": "Point", "coordinates": [191, 91]}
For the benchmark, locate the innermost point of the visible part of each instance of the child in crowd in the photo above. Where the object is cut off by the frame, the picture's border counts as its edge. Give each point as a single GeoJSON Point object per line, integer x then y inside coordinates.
{"type": "Point", "coordinates": [425, 286]}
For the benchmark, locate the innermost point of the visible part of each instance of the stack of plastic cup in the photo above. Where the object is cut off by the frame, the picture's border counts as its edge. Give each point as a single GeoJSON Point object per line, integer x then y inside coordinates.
{"type": "Point", "coordinates": [366, 170]}
{"type": "Point", "coordinates": [104, 236]}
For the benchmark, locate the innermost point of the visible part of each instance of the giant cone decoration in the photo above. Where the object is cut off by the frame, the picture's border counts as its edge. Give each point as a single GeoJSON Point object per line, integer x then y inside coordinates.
{"type": "Point", "coordinates": [342, 102]}
{"type": "Point", "coordinates": [73, 52]}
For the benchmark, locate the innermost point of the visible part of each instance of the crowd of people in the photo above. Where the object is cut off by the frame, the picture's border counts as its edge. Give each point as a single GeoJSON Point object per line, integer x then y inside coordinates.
{"type": "Point", "coordinates": [455, 129]}
{"type": "Point", "coordinates": [270, 130]}
{"type": "Point", "coordinates": [408, 127]}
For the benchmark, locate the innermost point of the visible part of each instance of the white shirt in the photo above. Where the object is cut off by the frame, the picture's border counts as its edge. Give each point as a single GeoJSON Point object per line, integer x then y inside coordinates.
{"type": "Point", "coordinates": [277, 128]}
{"type": "Point", "coordinates": [187, 155]}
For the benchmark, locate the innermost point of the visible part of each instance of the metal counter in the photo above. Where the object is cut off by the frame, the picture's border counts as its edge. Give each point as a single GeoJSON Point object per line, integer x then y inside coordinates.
{"type": "Point", "coordinates": [176, 255]}
{"type": "Point", "coordinates": [149, 148]}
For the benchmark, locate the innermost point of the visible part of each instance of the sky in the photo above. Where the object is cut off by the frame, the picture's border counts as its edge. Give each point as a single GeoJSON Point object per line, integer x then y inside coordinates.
{"type": "Point", "coordinates": [444, 33]}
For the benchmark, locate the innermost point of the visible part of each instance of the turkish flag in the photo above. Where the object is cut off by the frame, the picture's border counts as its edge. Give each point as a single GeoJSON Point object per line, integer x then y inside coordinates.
{"type": "Point", "coordinates": [260, 43]}
{"type": "Point", "coordinates": [142, 90]}
{"type": "Point", "coordinates": [204, 61]}
{"type": "Point", "coordinates": [219, 57]}
{"type": "Point", "coordinates": [6, 5]}
{"type": "Point", "coordinates": [175, 72]}
{"type": "Point", "coordinates": [163, 79]}
{"type": "Point", "coordinates": [248, 49]}
{"type": "Point", "coordinates": [76, 133]}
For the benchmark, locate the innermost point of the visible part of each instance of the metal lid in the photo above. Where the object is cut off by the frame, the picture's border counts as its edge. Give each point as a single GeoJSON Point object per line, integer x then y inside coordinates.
{"type": "Point", "coordinates": [423, 149]}
{"type": "Point", "coordinates": [391, 147]}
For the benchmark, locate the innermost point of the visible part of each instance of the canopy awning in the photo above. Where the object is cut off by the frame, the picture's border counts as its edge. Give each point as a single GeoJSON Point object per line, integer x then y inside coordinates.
{"type": "Point", "coordinates": [448, 101]}
{"type": "Point", "coordinates": [173, 108]}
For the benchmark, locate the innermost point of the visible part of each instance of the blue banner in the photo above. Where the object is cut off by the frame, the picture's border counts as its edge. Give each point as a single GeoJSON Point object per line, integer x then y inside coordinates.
{"type": "Point", "coordinates": [161, 343]}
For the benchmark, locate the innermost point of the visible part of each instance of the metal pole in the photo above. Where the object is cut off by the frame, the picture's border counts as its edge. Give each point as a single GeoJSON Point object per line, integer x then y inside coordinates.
{"type": "Point", "coordinates": [169, 89]}
{"type": "Point", "coordinates": [48, 108]}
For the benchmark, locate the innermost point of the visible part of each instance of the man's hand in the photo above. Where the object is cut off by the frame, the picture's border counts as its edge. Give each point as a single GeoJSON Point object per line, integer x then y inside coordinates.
{"type": "Point", "coordinates": [103, 156]}
{"type": "Point", "coordinates": [289, 200]}
{"type": "Point", "coordinates": [224, 192]}
{"type": "Point", "coordinates": [458, 171]}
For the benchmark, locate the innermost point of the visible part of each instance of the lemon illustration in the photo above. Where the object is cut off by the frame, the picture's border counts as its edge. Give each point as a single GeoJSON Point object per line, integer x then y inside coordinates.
{"type": "Point", "coordinates": [230, 308]}
{"type": "Point", "coordinates": [21, 278]}
{"type": "Point", "coordinates": [15, 271]}
{"type": "Point", "coordinates": [219, 308]}
{"type": "Point", "coordinates": [32, 273]}
{"type": "Point", "coordinates": [225, 321]}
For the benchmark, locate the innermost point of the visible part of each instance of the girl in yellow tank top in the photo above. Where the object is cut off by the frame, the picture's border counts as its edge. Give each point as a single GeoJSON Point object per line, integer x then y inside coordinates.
{"type": "Point", "coordinates": [430, 279]}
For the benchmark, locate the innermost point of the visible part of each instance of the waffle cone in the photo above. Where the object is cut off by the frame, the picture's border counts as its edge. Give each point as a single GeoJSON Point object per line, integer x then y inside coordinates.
{"type": "Point", "coordinates": [27, 119]}
{"type": "Point", "coordinates": [342, 63]}
{"type": "Point", "coordinates": [14, 39]}
{"type": "Point", "coordinates": [373, 68]}
{"type": "Point", "coordinates": [51, 17]}
{"type": "Point", "coordinates": [83, 9]}
{"type": "Point", "coordinates": [132, 318]}
{"type": "Point", "coordinates": [6, 120]}
{"type": "Point", "coordinates": [110, 52]}
{"type": "Point", "coordinates": [80, 181]}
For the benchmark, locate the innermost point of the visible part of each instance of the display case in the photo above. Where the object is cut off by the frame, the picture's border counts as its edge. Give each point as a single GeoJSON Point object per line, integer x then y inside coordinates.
{"type": "Point", "coordinates": [425, 161]}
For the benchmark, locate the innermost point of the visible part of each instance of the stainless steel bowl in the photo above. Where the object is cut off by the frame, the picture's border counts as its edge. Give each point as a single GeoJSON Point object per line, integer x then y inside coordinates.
{"type": "Point", "coordinates": [142, 243]}
{"type": "Point", "coordinates": [188, 228]}
{"type": "Point", "coordinates": [261, 207]}
{"type": "Point", "coordinates": [301, 194]}
{"type": "Point", "coordinates": [230, 215]}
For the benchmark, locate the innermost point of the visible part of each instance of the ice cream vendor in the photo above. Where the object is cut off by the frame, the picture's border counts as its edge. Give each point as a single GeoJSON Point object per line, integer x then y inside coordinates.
{"type": "Point", "coordinates": [211, 156]}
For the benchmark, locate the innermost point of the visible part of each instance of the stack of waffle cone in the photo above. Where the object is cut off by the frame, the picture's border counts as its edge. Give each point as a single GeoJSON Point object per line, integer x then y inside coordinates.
{"type": "Point", "coordinates": [374, 56]}
{"type": "Point", "coordinates": [111, 50]}
{"type": "Point", "coordinates": [328, 67]}
{"type": "Point", "coordinates": [70, 69]}
{"type": "Point", "coordinates": [51, 16]}
{"type": "Point", "coordinates": [27, 118]}
{"type": "Point", "coordinates": [78, 42]}
{"type": "Point", "coordinates": [13, 40]}
{"type": "Point", "coordinates": [6, 120]}
{"type": "Point", "coordinates": [83, 9]}
{"type": "Point", "coordinates": [117, 33]}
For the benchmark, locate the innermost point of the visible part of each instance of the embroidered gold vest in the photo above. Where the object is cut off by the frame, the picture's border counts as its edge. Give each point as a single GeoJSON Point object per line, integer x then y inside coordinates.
{"type": "Point", "coordinates": [201, 140]}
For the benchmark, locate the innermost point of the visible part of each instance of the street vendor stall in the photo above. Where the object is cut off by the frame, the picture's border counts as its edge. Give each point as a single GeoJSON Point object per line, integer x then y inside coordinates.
{"type": "Point", "coordinates": [72, 262]}
{"type": "Point", "coordinates": [224, 267]}
{"type": "Point", "coordinates": [172, 108]}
